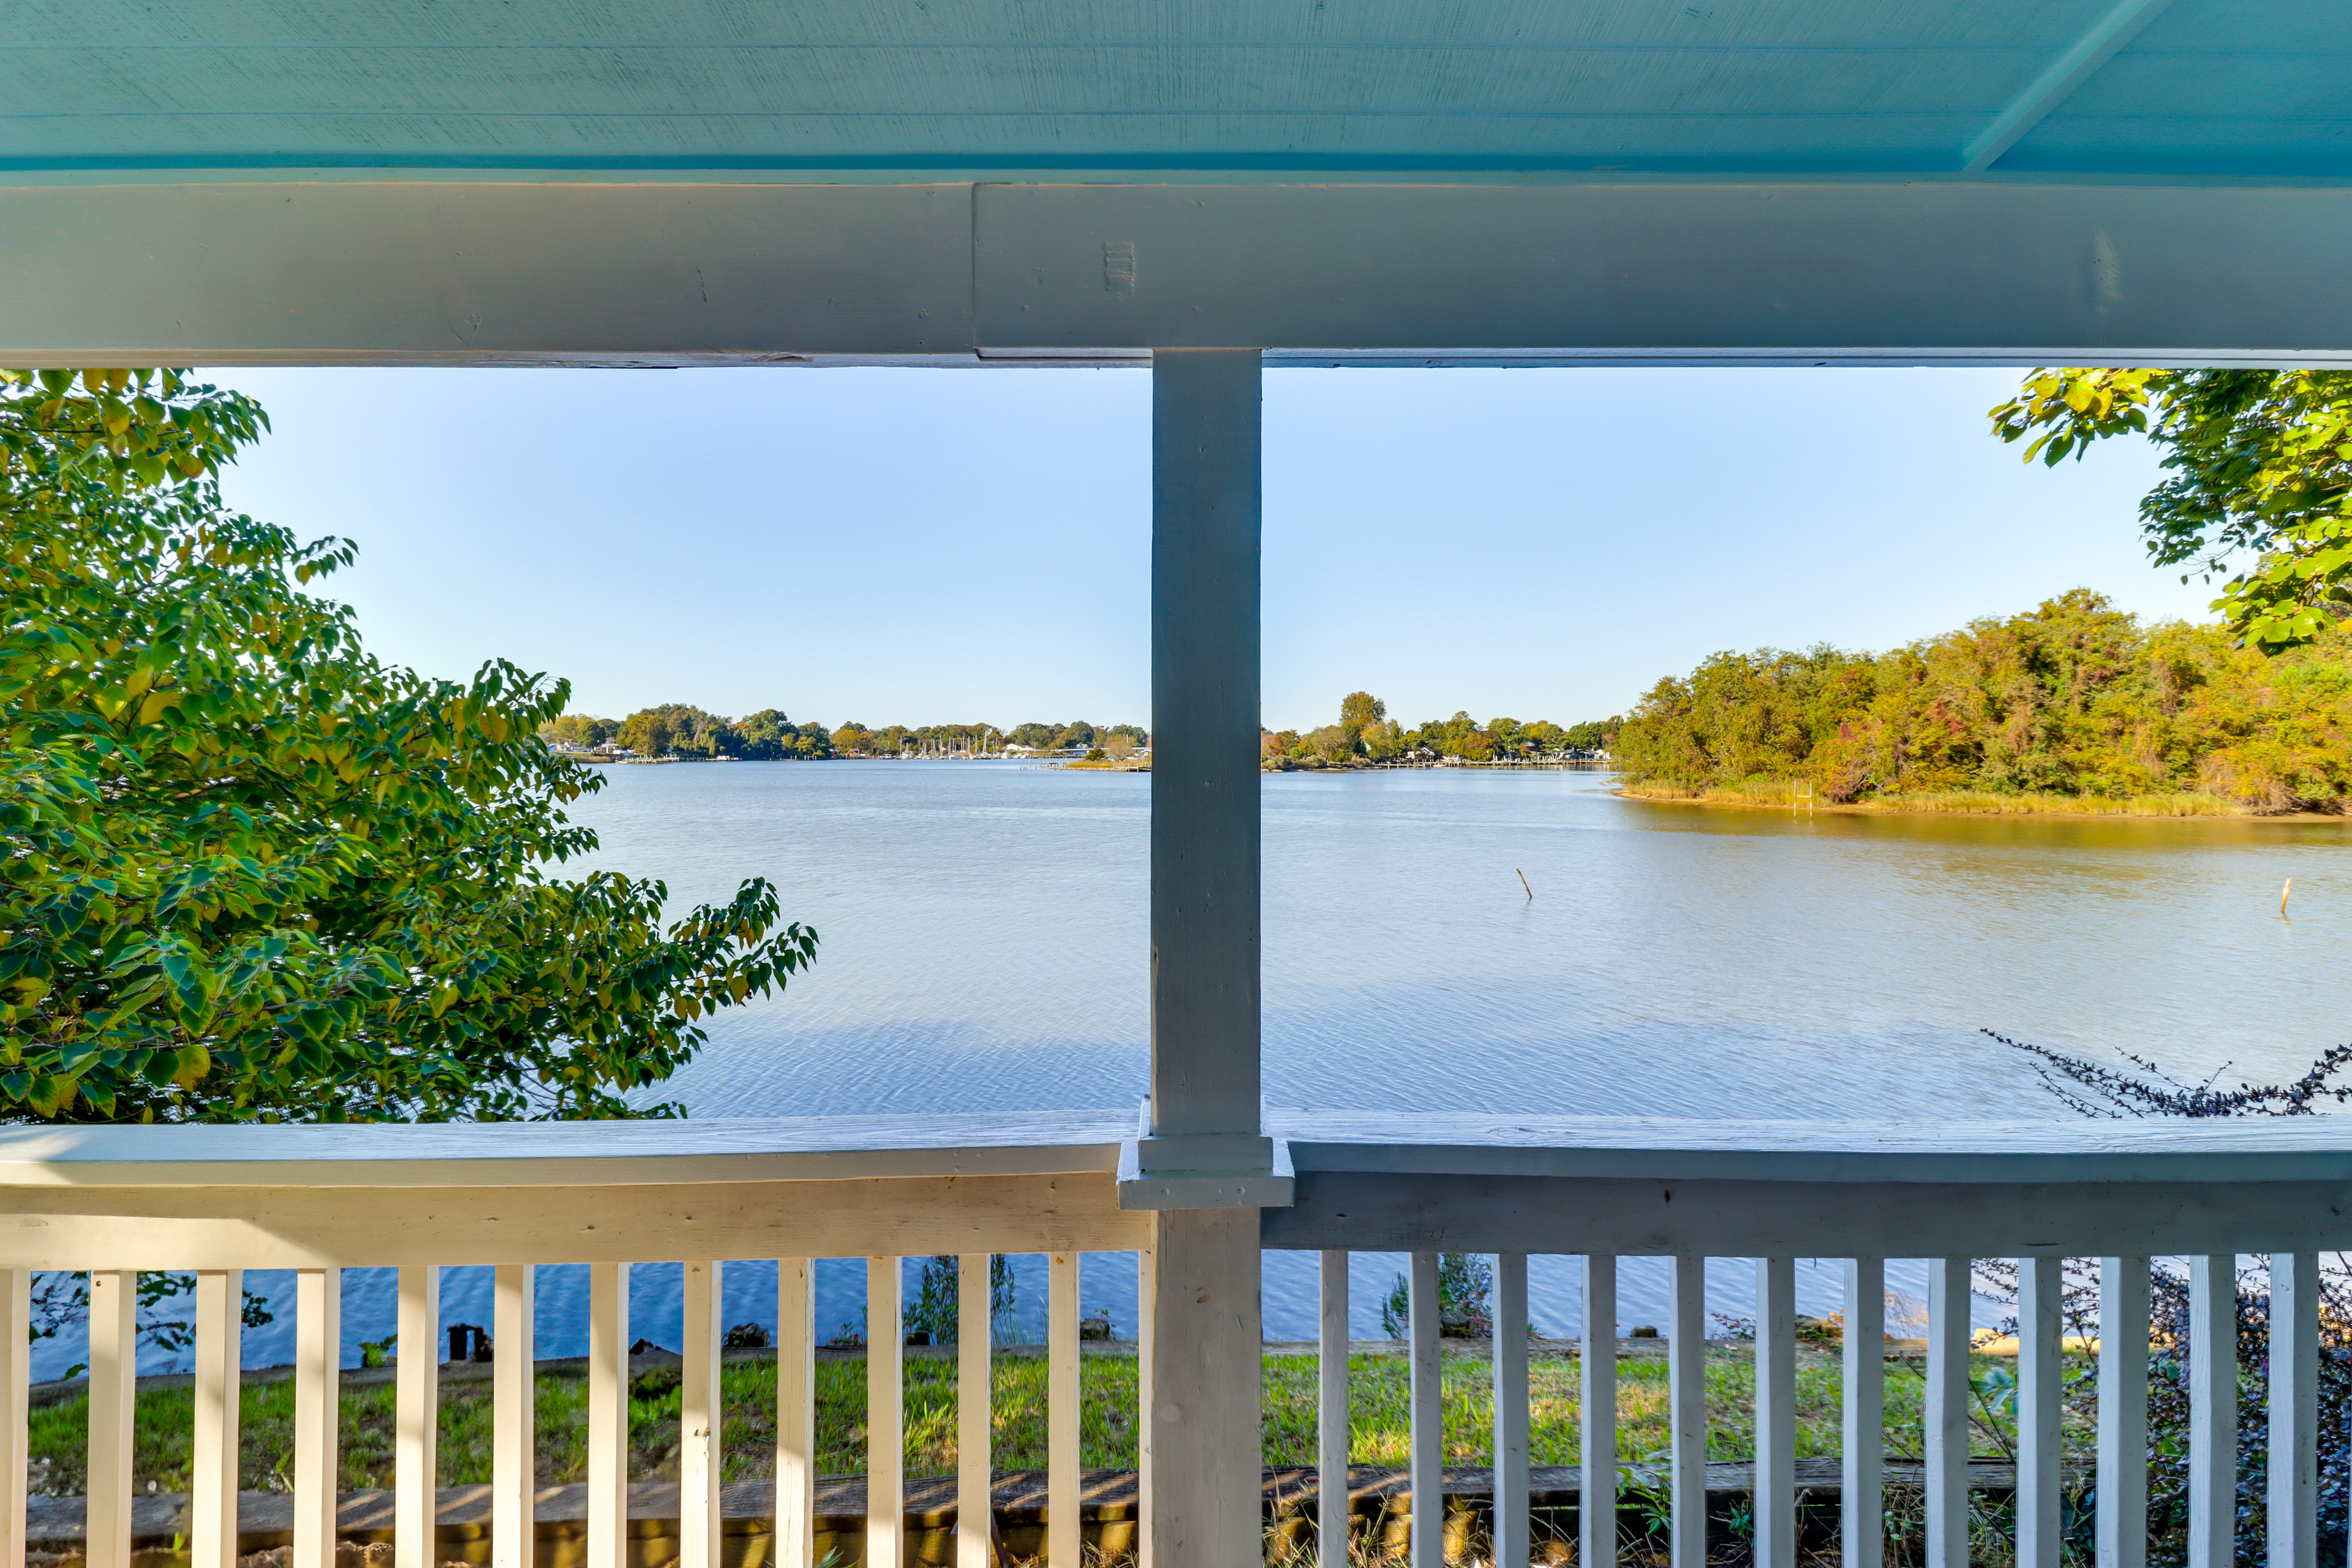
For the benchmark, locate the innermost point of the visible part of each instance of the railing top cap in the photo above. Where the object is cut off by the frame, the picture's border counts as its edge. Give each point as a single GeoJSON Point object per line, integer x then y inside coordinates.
{"type": "Point", "coordinates": [569, 1152]}
{"type": "Point", "coordinates": [1050, 1143]}
{"type": "Point", "coordinates": [2057, 1148]}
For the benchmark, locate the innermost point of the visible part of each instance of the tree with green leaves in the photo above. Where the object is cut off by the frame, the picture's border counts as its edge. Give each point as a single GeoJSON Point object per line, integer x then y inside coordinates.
{"type": "Point", "coordinates": [256, 874]}
{"type": "Point", "coordinates": [2260, 465]}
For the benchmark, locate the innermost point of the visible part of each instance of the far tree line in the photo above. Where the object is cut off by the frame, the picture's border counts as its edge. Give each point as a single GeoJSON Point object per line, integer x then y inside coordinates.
{"type": "Point", "coordinates": [679, 729]}
{"type": "Point", "coordinates": [1366, 734]}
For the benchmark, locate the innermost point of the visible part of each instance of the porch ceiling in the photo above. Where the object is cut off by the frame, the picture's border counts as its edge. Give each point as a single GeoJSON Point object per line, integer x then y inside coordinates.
{"type": "Point", "coordinates": [1215, 89]}
{"type": "Point", "coordinates": [1343, 180]}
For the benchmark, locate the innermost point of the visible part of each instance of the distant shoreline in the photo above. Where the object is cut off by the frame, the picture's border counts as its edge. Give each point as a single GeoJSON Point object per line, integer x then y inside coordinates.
{"type": "Point", "coordinates": [2156, 809]}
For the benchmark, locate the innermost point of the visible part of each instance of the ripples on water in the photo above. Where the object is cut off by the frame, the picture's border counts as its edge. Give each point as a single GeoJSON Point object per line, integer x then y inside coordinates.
{"type": "Point", "coordinates": [985, 946]}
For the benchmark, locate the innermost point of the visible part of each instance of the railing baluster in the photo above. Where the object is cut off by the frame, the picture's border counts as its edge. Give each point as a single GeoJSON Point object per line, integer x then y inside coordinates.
{"type": "Point", "coordinates": [1427, 1530]}
{"type": "Point", "coordinates": [1776, 1412]}
{"type": "Point", "coordinates": [114, 1392]}
{"type": "Point", "coordinates": [1331, 1415]}
{"type": "Point", "coordinates": [975, 1412]}
{"type": "Point", "coordinates": [2212, 1410]}
{"type": "Point", "coordinates": [2294, 1410]}
{"type": "Point", "coordinates": [318, 1409]}
{"type": "Point", "coordinates": [2040, 1375]}
{"type": "Point", "coordinates": [608, 1416]}
{"type": "Point", "coordinates": [1062, 1410]}
{"type": "Point", "coordinates": [1597, 1502]}
{"type": "Point", "coordinates": [416, 1421]}
{"type": "Point", "coordinates": [2122, 1483]}
{"type": "Point", "coordinates": [16, 1382]}
{"type": "Point", "coordinates": [1949, 1297]}
{"type": "Point", "coordinates": [212, 1457]}
{"type": "Point", "coordinates": [796, 1413]}
{"type": "Point", "coordinates": [886, 1416]}
{"type": "Point", "coordinates": [514, 1417]}
{"type": "Point", "coordinates": [1862, 1502]}
{"type": "Point", "coordinates": [1687, 1414]}
{"type": "Point", "coordinates": [1510, 1501]}
{"type": "Point", "coordinates": [698, 1418]}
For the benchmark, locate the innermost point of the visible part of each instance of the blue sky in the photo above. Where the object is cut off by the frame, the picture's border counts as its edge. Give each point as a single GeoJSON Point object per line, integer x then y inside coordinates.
{"type": "Point", "coordinates": [921, 546]}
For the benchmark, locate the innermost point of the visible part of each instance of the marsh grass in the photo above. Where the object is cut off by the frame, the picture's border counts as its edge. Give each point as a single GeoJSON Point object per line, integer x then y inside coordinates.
{"type": "Point", "coordinates": [1958, 803]}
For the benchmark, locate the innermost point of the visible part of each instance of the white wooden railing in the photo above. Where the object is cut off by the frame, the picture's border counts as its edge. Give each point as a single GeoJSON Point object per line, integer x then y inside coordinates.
{"type": "Point", "coordinates": [318, 1200]}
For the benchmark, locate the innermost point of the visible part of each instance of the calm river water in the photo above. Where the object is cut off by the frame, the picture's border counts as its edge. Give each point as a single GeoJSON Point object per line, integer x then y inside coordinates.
{"type": "Point", "coordinates": [984, 946]}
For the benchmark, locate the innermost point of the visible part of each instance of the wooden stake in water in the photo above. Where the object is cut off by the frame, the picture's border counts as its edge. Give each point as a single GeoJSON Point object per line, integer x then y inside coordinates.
{"type": "Point", "coordinates": [2283, 893]}
{"type": "Point", "coordinates": [1531, 892]}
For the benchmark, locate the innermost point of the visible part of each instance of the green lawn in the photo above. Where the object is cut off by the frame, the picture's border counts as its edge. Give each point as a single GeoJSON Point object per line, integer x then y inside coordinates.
{"type": "Point", "coordinates": [1378, 1408]}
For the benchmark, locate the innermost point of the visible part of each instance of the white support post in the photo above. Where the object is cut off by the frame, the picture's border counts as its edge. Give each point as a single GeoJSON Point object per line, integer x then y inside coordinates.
{"type": "Point", "coordinates": [1062, 1473]}
{"type": "Point", "coordinates": [1776, 1412]}
{"type": "Point", "coordinates": [699, 1525]}
{"type": "Point", "coordinates": [1511, 1414]}
{"type": "Point", "coordinates": [1427, 1438]}
{"type": "Point", "coordinates": [1200, 1442]}
{"type": "Point", "coordinates": [113, 1393]}
{"type": "Point", "coordinates": [796, 1415]}
{"type": "Point", "coordinates": [318, 1415]}
{"type": "Point", "coordinates": [1862, 1495]}
{"type": "Point", "coordinates": [608, 1416]}
{"type": "Point", "coordinates": [2040, 1374]}
{"type": "Point", "coordinates": [2293, 1523]}
{"type": "Point", "coordinates": [2122, 1485]}
{"type": "Point", "coordinates": [416, 1421]}
{"type": "Point", "coordinates": [1686, 1410]}
{"type": "Point", "coordinates": [1206, 506]}
{"type": "Point", "coordinates": [1331, 1415]}
{"type": "Point", "coordinates": [514, 1417]}
{"type": "Point", "coordinates": [1597, 1502]}
{"type": "Point", "coordinates": [16, 1382]}
{"type": "Point", "coordinates": [975, 1414]}
{"type": "Point", "coordinates": [886, 1416]}
{"type": "Point", "coordinates": [2212, 1411]}
{"type": "Point", "coordinates": [212, 1457]}
{"type": "Point", "coordinates": [1950, 1294]}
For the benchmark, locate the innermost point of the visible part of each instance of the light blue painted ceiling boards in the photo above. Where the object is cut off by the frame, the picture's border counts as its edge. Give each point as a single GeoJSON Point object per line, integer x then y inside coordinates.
{"type": "Point", "coordinates": [1211, 90]}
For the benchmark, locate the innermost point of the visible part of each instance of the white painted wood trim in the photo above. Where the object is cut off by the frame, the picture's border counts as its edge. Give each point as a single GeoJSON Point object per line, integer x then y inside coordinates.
{"type": "Point", "coordinates": [196, 1227]}
{"type": "Point", "coordinates": [2293, 1523]}
{"type": "Point", "coordinates": [1331, 1413]}
{"type": "Point", "coordinates": [700, 1443]}
{"type": "Point", "coordinates": [15, 1371]}
{"type": "Point", "coordinates": [1511, 1413]}
{"type": "Point", "coordinates": [1776, 1412]}
{"type": "Point", "coordinates": [1203, 1342]}
{"type": "Point", "coordinates": [2121, 1504]}
{"type": "Point", "coordinates": [514, 1416]}
{"type": "Point", "coordinates": [1686, 1410]}
{"type": "Point", "coordinates": [213, 1447]}
{"type": "Point", "coordinates": [1597, 1523]}
{"type": "Point", "coordinates": [975, 1414]}
{"type": "Point", "coordinates": [1206, 503]}
{"type": "Point", "coordinates": [113, 1384]}
{"type": "Point", "coordinates": [2212, 1410]}
{"type": "Point", "coordinates": [416, 1420]}
{"type": "Point", "coordinates": [1428, 1415]}
{"type": "Point", "coordinates": [608, 1415]}
{"type": "Point", "coordinates": [2040, 1376]}
{"type": "Point", "coordinates": [318, 1415]}
{"type": "Point", "coordinates": [1949, 1295]}
{"type": "Point", "coordinates": [568, 1154]}
{"type": "Point", "coordinates": [1862, 1495]}
{"type": "Point", "coordinates": [796, 1413]}
{"type": "Point", "coordinates": [885, 1415]}
{"type": "Point", "coordinates": [1062, 1473]}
